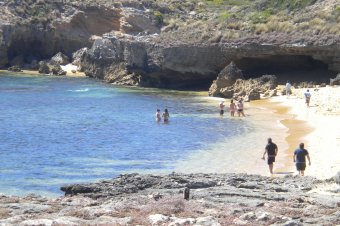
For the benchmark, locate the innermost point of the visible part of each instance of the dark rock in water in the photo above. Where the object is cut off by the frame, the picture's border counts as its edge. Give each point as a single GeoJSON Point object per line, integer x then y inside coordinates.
{"type": "Point", "coordinates": [227, 77]}
{"type": "Point", "coordinates": [59, 59]}
{"type": "Point", "coordinates": [43, 68]}
{"type": "Point", "coordinates": [14, 69]}
{"type": "Point", "coordinates": [335, 81]}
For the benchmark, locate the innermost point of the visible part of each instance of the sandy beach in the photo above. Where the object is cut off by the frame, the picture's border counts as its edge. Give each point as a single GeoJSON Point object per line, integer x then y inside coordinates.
{"type": "Point", "coordinates": [317, 126]}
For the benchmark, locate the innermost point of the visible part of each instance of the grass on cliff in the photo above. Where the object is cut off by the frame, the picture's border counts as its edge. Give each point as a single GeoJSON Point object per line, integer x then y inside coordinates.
{"type": "Point", "coordinates": [224, 20]}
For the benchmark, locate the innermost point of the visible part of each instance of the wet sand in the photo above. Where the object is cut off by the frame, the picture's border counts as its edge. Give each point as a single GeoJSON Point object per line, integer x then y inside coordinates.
{"type": "Point", "coordinates": [297, 131]}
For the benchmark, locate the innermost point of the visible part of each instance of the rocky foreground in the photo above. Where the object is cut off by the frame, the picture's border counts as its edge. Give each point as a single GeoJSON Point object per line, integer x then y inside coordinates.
{"type": "Point", "coordinates": [214, 199]}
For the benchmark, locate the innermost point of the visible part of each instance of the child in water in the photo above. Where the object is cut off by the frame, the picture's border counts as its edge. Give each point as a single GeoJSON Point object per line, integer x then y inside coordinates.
{"type": "Point", "coordinates": [158, 115]}
{"type": "Point", "coordinates": [222, 108]}
{"type": "Point", "coordinates": [166, 115]}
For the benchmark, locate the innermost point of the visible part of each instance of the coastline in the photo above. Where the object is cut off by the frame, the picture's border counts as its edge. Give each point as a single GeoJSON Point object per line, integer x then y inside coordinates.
{"type": "Point", "coordinates": [68, 68]}
{"type": "Point", "coordinates": [318, 129]}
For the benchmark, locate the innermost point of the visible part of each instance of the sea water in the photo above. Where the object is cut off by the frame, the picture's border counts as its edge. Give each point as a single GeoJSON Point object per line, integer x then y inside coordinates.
{"type": "Point", "coordinates": [60, 130]}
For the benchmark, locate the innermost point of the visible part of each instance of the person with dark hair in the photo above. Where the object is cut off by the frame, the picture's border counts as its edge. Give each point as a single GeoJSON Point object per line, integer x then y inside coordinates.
{"type": "Point", "coordinates": [299, 158]}
{"type": "Point", "coordinates": [166, 115]}
{"type": "Point", "coordinates": [240, 108]}
{"type": "Point", "coordinates": [271, 150]}
{"type": "Point", "coordinates": [158, 115]}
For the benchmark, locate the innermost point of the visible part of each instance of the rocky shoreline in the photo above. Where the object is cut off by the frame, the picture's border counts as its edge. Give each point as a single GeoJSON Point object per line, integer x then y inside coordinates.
{"type": "Point", "coordinates": [215, 199]}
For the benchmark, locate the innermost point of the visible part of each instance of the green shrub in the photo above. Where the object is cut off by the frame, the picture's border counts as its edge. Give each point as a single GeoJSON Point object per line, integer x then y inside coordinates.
{"type": "Point", "coordinates": [336, 11]}
{"type": "Point", "coordinates": [224, 15]}
{"type": "Point", "coordinates": [289, 4]}
{"type": "Point", "coordinates": [159, 17]}
{"type": "Point", "coordinates": [260, 17]}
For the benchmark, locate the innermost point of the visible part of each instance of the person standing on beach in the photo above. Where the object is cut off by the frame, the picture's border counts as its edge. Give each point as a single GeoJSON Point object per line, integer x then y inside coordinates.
{"type": "Point", "coordinates": [307, 97]}
{"type": "Point", "coordinates": [299, 158]}
{"type": "Point", "coordinates": [222, 108]}
{"type": "Point", "coordinates": [271, 151]}
{"type": "Point", "coordinates": [240, 108]}
{"type": "Point", "coordinates": [232, 108]}
{"type": "Point", "coordinates": [166, 115]}
{"type": "Point", "coordinates": [158, 115]}
{"type": "Point", "coordinates": [288, 89]}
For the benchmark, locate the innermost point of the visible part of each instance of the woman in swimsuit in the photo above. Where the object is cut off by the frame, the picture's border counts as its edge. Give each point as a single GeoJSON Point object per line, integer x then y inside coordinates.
{"type": "Point", "coordinates": [232, 107]}
{"type": "Point", "coordinates": [240, 108]}
{"type": "Point", "coordinates": [166, 115]}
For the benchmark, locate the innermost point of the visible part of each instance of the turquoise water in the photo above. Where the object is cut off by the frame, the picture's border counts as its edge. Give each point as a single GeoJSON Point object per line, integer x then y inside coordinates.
{"type": "Point", "coordinates": [57, 130]}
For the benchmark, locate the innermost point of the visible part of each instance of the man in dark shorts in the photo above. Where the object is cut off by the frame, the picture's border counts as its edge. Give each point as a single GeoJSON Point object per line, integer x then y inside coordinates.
{"type": "Point", "coordinates": [300, 159]}
{"type": "Point", "coordinates": [271, 150]}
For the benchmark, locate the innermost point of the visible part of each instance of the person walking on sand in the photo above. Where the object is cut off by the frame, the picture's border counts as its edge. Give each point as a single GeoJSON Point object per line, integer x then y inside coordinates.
{"type": "Point", "coordinates": [288, 89]}
{"type": "Point", "coordinates": [158, 115]}
{"type": "Point", "coordinates": [166, 115]}
{"type": "Point", "coordinates": [222, 108]}
{"type": "Point", "coordinates": [232, 108]}
{"type": "Point", "coordinates": [299, 158]}
{"type": "Point", "coordinates": [271, 151]}
{"type": "Point", "coordinates": [307, 97]}
{"type": "Point", "coordinates": [240, 108]}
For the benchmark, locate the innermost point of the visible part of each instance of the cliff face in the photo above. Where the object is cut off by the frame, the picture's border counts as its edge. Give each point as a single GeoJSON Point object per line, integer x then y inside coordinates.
{"type": "Point", "coordinates": [163, 44]}
{"type": "Point", "coordinates": [195, 66]}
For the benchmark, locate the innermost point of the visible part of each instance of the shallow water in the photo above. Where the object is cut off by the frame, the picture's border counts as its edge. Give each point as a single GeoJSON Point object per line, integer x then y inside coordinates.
{"type": "Point", "coordinates": [57, 130]}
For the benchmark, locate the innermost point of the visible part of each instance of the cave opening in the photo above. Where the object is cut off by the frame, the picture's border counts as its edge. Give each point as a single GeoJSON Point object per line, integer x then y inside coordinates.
{"type": "Point", "coordinates": [293, 68]}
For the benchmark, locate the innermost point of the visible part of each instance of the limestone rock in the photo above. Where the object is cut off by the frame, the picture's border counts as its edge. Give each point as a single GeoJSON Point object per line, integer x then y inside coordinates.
{"type": "Point", "coordinates": [59, 59]}
{"type": "Point", "coordinates": [14, 69]}
{"type": "Point", "coordinates": [335, 81]}
{"type": "Point", "coordinates": [337, 178]}
{"type": "Point", "coordinates": [157, 219]}
{"type": "Point", "coordinates": [57, 70]}
{"type": "Point", "coordinates": [78, 55]}
{"type": "Point", "coordinates": [43, 68]}
{"type": "Point", "coordinates": [227, 77]}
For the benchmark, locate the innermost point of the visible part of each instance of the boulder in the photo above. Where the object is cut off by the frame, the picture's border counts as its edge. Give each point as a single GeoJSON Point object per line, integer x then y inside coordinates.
{"type": "Point", "coordinates": [335, 81]}
{"type": "Point", "coordinates": [15, 69]}
{"type": "Point", "coordinates": [337, 178]}
{"type": "Point", "coordinates": [78, 55]}
{"type": "Point", "coordinates": [227, 77]}
{"type": "Point", "coordinates": [57, 70]}
{"type": "Point", "coordinates": [59, 59]}
{"type": "Point", "coordinates": [43, 68]}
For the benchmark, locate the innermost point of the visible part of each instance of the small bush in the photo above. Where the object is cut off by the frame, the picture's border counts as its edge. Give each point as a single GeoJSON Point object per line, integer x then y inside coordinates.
{"type": "Point", "coordinates": [260, 17]}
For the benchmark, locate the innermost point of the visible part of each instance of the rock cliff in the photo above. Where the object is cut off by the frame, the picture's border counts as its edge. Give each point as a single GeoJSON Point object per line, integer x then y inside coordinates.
{"type": "Point", "coordinates": [175, 44]}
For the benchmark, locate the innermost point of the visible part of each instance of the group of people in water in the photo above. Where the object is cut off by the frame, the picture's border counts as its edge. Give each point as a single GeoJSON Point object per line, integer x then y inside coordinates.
{"type": "Point", "coordinates": [165, 115]}
{"type": "Point", "coordinates": [299, 156]}
{"type": "Point", "coordinates": [238, 107]}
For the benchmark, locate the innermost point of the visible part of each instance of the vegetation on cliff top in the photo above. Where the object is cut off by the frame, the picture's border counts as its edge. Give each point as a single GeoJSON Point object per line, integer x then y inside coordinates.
{"type": "Point", "coordinates": [204, 20]}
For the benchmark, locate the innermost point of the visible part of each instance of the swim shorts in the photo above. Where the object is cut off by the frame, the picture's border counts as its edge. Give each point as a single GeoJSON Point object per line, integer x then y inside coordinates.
{"type": "Point", "coordinates": [221, 112]}
{"type": "Point", "coordinates": [300, 166]}
{"type": "Point", "coordinates": [239, 110]}
{"type": "Point", "coordinates": [307, 100]}
{"type": "Point", "coordinates": [270, 160]}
